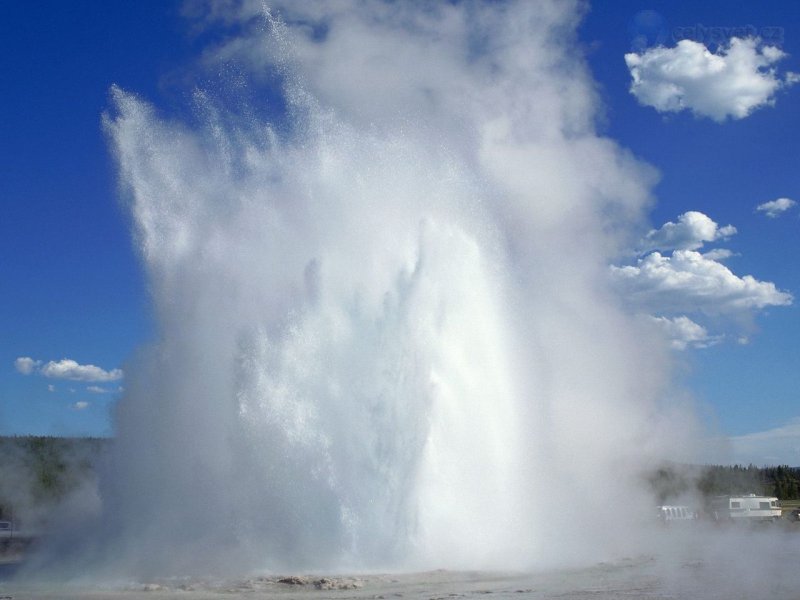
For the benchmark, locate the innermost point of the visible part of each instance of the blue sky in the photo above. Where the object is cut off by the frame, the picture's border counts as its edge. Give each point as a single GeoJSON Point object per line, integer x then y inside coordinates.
{"type": "Point", "coordinates": [723, 170]}
{"type": "Point", "coordinates": [73, 288]}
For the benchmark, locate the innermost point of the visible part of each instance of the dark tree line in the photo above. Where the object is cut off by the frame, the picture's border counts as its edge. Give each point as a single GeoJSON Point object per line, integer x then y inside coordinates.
{"type": "Point", "coordinates": [672, 481]}
{"type": "Point", "coordinates": [785, 481]}
{"type": "Point", "coordinates": [37, 472]}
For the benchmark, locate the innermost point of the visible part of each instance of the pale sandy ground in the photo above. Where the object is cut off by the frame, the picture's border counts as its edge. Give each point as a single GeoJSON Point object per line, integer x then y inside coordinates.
{"type": "Point", "coordinates": [697, 565]}
{"type": "Point", "coordinates": [622, 580]}
{"type": "Point", "coordinates": [640, 579]}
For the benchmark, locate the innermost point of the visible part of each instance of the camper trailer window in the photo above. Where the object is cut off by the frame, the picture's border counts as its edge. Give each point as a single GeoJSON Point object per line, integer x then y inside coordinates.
{"type": "Point", "coordinates": [763, 505]}
{"type": "Point", "coordinates": [736, 504]}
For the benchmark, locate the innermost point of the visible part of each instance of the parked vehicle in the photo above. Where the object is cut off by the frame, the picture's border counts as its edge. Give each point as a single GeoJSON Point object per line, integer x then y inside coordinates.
{"type": "Point", "coordinates": [671, 513]}
{"type": "Point", "coordinates": [746, 508]}
{"type": "Point", "coordinates": [7, 537]}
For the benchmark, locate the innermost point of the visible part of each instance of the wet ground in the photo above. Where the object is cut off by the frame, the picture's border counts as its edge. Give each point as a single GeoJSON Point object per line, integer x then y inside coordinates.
{"type": "Point", "coordinates": [623, 580]}
{"type": "Point", "coordinates": [727, 565]}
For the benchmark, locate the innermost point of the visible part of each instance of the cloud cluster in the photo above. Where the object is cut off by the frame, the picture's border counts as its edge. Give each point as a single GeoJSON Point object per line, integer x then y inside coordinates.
{"type": "Point", "coordinates": [66, 369]}
{"type": "Point", "coordinates": [775, 208]}
{"type": "Point", "coordinates": [689, 281]}
{"type": "Point", "coordinates": [671, 279]}
{"type": "Point", "coordinates": [732, 82]}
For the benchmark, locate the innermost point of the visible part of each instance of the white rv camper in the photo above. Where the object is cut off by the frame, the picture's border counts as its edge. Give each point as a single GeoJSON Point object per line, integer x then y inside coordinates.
{"type": "Point", "coordinates": [746, 508]}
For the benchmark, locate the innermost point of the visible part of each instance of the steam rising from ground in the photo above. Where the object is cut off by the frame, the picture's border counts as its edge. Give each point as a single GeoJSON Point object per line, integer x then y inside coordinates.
{"type": "Point", "coordinates": [386, 335]}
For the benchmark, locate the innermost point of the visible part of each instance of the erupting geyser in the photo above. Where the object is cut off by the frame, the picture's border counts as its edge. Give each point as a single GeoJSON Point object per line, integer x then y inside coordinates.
{"type": "Point", "coordinates": [385, 335]}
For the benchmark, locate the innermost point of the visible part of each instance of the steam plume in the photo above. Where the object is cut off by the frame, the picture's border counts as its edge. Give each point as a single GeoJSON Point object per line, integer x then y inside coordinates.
{"type": "Point", "coordinates": [378, 257]}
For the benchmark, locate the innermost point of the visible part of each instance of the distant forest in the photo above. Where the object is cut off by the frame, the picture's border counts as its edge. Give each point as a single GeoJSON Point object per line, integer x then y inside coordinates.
{"type": "Point", "coordinates": [672, 481]}
{"type": "Point", "coordinates": [36, 473]}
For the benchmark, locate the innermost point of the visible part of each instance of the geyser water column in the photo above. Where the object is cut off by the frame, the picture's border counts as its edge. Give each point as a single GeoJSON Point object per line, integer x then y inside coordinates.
{"type": "Point", "coordinates": [385, 339]}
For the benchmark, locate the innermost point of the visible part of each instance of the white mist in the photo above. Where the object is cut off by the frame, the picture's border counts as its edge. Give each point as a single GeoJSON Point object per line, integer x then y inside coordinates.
{"type": "Point", "coordinates": [386, 338]}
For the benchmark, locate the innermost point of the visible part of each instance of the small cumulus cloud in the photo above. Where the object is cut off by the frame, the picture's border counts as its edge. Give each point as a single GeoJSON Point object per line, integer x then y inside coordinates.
{"type": "Point", "coordinates": [26, 365]}
{"type": "Point", "coordinates": [718, 254]}
{"type": "Point", "coordinates": [69, 369]}
{"type": "Point", "coordinates": [51, 388]}
{"type": "Point", "coordinates": [733, 82]}
{"type": "Point", "coordinates": [96, 389]}
{"type": "Point", "coordinates": [692, 230]}
{"type": "Point", "coordinates": [775, 208]}
{"type": "Point", "coordinates": [66, 369]}
{"type": "Point", "coordinates": [684, 333]}
{"type": "Point", "coordinates": [80, 405]}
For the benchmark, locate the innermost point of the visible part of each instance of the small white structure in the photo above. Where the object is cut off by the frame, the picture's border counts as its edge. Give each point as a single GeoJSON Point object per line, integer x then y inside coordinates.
{"type": "Point", "coordinates": [6, 530]}
{"type": "Point", "coordinates": [670, 513]}
{"type": "Point", "coordinates": [746, 508]}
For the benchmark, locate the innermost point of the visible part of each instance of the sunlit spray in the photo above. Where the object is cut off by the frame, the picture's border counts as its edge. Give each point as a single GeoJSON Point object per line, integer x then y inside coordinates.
{"type": "Point", "coordinates": [378, 255]}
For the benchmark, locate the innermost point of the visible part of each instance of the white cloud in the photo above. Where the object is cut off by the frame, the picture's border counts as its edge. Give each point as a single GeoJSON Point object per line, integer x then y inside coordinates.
{"type": "Point", "coordinates": [684, 333]}
{"type": "Point", "coordinates": [69, 369]}
{"type": "Point", "coordinates": [96, 389]}
{"type": "Point", "coordinates": [692, 230]}
{"type": "Point", "coordinates": [733, 82]}
{"type": "Point", "coordinates": [66, 369]}
{"type": "Point", "coordinates": [718, 254]}
{"type": "Point", "coordinates": [777, 446]}
{"type": "Point", "coordinates": [51, 388]}
{"type": "Point", "coordinates": [26, 365]}
{"type": "Point", "coordinates": [687, 281]}
{"type": "Point", "coordinates": [775, 208]}
{"type": "Point", "coordinates": [80, 405]}
{"type": "Point", "coordinates": [672, 279]}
